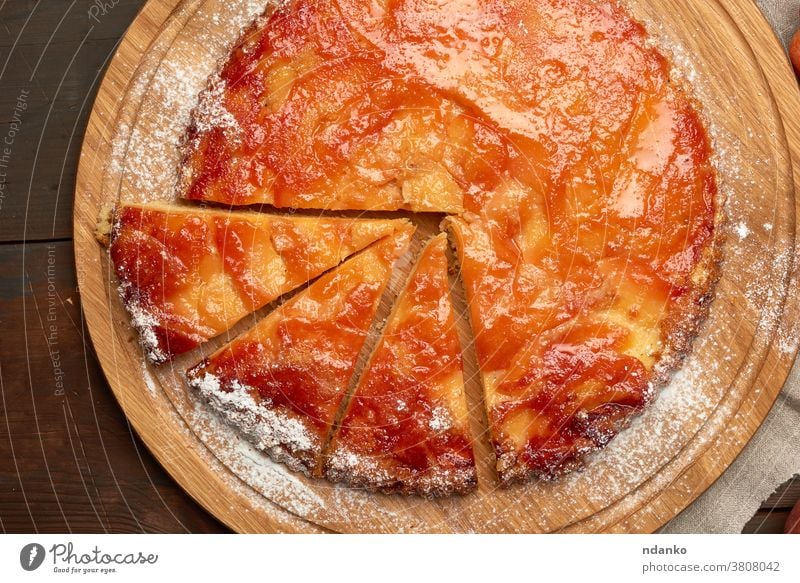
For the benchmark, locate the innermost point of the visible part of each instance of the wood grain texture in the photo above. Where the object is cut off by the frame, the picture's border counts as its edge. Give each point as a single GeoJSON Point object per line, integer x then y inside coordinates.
{"type": "Point", "coordinates": [748, 94]}
{"type": "Point", "coordinates": [53, 54]}
{"type": "Point", "coordinates": [70, 461]}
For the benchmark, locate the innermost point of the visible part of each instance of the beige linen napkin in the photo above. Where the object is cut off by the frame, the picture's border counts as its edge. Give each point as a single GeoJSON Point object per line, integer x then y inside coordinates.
{"type": "Point", "coordinates": [782, 15]}
{"type": "Point", "coordinates": [773, 456]}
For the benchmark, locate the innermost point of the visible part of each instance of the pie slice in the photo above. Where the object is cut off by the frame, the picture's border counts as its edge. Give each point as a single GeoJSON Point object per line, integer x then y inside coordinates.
{"type": "Point", "coordinates": [582, 299]}
{"type": "Point", "coordinates": [188, 274]}
{"type": "Point", "coordinates": [406, 427]}
{"type": "Point", "coordinates": [282, 382]}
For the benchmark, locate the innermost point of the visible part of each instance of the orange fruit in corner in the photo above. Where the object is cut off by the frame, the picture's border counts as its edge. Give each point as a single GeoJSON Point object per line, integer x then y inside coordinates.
{"type": "Point", "coordinates": [794, 51]}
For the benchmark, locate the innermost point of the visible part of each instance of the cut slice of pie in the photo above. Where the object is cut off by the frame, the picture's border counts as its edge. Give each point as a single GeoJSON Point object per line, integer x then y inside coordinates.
{"type": "Point", "coordinates": [282, 382]}
{"type": "Point", "coordinates": [406, 427]}
{"type": "Point", "coordinates": [189, 274]}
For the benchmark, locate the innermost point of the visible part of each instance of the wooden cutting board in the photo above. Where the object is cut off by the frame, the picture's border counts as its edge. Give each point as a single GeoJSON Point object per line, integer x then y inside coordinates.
{"type": "Point", "coordinates": [700, 422]}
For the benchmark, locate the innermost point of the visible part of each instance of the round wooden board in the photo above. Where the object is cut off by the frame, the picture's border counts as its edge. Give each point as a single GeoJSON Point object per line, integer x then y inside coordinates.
{"type": "Point", "coordinates": [700, 422]}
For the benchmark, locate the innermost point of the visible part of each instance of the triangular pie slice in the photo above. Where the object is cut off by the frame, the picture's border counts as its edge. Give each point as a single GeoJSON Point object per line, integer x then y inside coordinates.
{"type": "Point", "coordinates": [188, 274]}
{"type": "Point", "coordinates": [282, 382]}
{"type": "Point", "coordinates": [406, 427]}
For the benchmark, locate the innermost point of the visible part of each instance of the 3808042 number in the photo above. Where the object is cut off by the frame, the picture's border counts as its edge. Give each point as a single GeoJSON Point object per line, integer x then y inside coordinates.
{"type": "Point", "coordinates": [754, 566]}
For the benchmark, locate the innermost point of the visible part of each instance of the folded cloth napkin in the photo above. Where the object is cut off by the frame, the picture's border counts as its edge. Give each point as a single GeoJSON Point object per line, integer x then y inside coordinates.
{"type": "Point", "coordinates": [773, 455]}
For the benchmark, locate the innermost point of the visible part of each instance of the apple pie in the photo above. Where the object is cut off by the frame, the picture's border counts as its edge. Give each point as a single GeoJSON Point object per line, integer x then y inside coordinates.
{"type": "Point", "coordinates": [573, 172]}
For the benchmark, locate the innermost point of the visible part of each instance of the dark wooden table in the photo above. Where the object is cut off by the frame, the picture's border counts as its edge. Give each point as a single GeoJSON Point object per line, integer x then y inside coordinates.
{"type": "Point", "coordinates": [69, 461]}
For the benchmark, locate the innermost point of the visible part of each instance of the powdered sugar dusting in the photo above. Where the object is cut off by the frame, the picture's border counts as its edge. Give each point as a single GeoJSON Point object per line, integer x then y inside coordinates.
{"type": "Point", "coordinates": [283, 438]}
{"type": "Point", "coordinates": [146, 154]}
{"type": "Point", "coordinates": [440, 419]}
{"type": "Point", "coordinates": [742, 231]}
{"type": "Point", "coordinates": [269, 428]}
{"type": "Point", "coordinates": [269, 478]}
{"type": "Point", "coordinates": [358, 470]}
{"type": "Point", "coordinates": [736, 158]}
{"type": "Point", "coordinates": [145, 323]}
{"type": "Point", "coordinates": [274, 480]}
{"type": "Point", "coordinates": [150, 382]}
{"type": "Point", "coordinates": [761, 293]}
{"type": "Point", "coordinates": [154, 147]}
{"type": "Point", "coordinates": [731, 157]}
{"type": "Point", "coordinates": [211, 113]}
{"type": "Point", "coordinates": [628, 459]}
{"type": "Point", "coordinates": [221, 439]}
{"type": "Point", "coordinates": [344, 464]}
